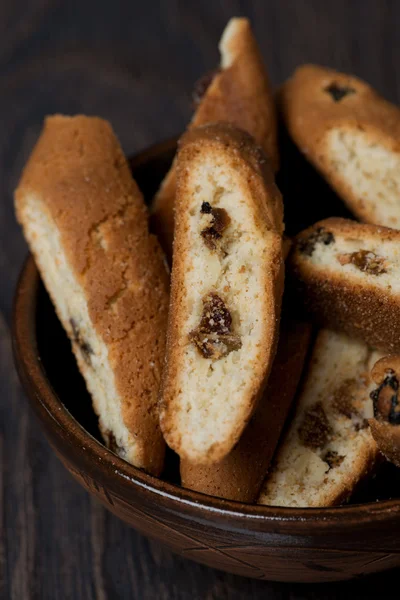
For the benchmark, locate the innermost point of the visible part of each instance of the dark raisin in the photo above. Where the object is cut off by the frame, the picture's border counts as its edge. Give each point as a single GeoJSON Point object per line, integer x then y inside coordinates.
{"type": "Point", "coordinates": [315, 429]}
{"type": "Point", "coordinates": [206, 208]}
{"type": "Point", "coordinates": [220, 221]}
{"type": "Point", "coordinates": [212, 345]}
{"type": "Point", "coordinates": [319, 236]}
{"type": "Point", "coordinates": [366, 261]}
{"type": "Point", "coordinates": [333, 459]}
{"type": "Point", "coordinates": [213, 337]}
{"type": "Point", "coordinates": [216, 318]}
{"type": "Point", "coordinates": [338, 92]}
{"type": "Point", "coordinates": [385, 399]}
{"type": "Point", "coordinates": [84, 346]}
{"type": "Point", "coordinates": [201, 86]}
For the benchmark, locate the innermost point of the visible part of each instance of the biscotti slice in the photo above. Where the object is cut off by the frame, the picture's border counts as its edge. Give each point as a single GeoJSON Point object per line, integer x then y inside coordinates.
{"type": "Point", "coordinates": [347, 275]}
{"type": "Point", "coordinates": [385, 426]}
{"type": "Point", "coordinates": [239, 475]}
{"type": "Point", "coordinates": [328, 447]}
{"type": "Point", "coordinates": [351, 135]}
{"type": "Point", "coordinates": [227, 281]}
{"type": "Point", "coordinates": [87, 226]}
{"type": "Point", "coordinates": [238, 92]}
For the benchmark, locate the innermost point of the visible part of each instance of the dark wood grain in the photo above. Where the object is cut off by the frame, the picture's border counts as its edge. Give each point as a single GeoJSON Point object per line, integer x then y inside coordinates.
{"type": "Point", "coordinates": [134, 63]}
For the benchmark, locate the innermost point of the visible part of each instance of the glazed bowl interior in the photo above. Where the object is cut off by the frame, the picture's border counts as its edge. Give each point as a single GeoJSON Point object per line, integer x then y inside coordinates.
{"type": "Point", "coordinates": [44, 356]}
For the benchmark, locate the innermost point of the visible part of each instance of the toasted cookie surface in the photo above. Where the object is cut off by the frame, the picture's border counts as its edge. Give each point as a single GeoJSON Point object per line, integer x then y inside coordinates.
{"type": "Point", "coordinates": [238, 92]}
{"type": "Point", "coordinates": [347, 275]}
{"type": "Point", "coordinates": [227, 282]}
{"type": "Point", "coordinates": [351, 135]}
{"type": "Point", "coordinates": [385, 425]}
{"type": "Point", "coordinates": [86, 224]}
{"type": "Point", "coordinates": [328, 447]}
{"type": "Point", "coordinates": [240, 475]}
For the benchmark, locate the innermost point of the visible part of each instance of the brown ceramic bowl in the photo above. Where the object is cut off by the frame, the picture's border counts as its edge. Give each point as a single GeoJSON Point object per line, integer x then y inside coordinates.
{"type": "Point", "coordinates": [255, 541]}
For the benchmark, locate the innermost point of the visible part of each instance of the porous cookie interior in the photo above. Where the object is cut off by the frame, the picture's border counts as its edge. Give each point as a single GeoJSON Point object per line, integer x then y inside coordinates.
{"type": "Point", "coordinates": [71, 306]}
{"type": "Point", "coordinates": [329, 439]}
{"type": "Point", "coordinates": [225, 305]}
{"type": "Point", "coordinates": [369, 258]}
{"type": "Point", "coordinates": [369, 170]}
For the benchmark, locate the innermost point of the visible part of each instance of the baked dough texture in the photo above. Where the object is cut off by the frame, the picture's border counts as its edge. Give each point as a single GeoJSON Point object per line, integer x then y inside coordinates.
{"type": "Point", "coordinates": [328, 447]}
{"type": "Point", "coordinates": [347, 275]}
{"type": "Point", "coordinates": [227, 283]}
{"type": "Point", "coordinates": [87, 226]}
{"type": "Point", "coordinates": [351, 135]}
{"type": "Point", "coordinates": [239, 93]}
{"type": "Point", "coordinates": [239, 475]}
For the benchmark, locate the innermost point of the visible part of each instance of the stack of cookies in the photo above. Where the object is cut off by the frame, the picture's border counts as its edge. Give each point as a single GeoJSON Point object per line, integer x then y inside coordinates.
{"type": "Point", "coordinates": [278, 393]}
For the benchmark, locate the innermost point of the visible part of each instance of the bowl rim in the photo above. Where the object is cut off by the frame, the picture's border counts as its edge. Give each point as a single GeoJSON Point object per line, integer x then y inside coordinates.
{"type": "Point", "coordinates": [31, 370]}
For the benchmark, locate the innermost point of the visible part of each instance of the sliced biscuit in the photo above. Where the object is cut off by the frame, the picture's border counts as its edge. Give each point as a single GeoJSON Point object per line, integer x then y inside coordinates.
{"type": "Point", "coordinates": [385, 426]}
{"type": "Point", "coordinates": [239, 475]}
{"type": "Point", "coordinates": [87, 226]}
{"type": "Point", "coordinates": [227, 282]}
{"type": "Point", "coordinates": [351, 135]}
{"type": "Point", "coordinates": [347, 275]}
{"type": "Point", "coordinates": [328, 447]}
{"type": "Point", "coordinates": [238, 92]}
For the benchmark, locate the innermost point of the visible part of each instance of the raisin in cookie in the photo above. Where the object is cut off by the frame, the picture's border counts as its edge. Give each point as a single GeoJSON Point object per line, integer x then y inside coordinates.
{"type": "Point", "coordinates": [87, 226]}
{"type": "Point", "coordinates": [238, 92]}
{"type": "Point", "coordinates": [328, 447]}
{"type": "Point", "coordinates": [385, 426]}
{"type": "Point", "coordinates": [227, 282]}
{"type": "Point", "coordinates": [347, 274]}
{"type": "Point", "coordinates": [240, 475]}
{"type": "Point", "coordinates": [351, 135]}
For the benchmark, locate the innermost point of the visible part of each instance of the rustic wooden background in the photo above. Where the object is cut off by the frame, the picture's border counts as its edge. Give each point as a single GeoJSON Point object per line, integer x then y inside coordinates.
{"type": "Point", "coordinates": [134, 63]}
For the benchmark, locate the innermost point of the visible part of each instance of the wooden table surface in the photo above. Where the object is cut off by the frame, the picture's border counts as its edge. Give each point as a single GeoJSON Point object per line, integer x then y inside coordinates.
{"type": "Point", "coordinates": [134, 63]}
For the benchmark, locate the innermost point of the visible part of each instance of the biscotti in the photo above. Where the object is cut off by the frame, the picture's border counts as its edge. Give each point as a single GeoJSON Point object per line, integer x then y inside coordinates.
{"type": "Point", "coordinates": [347, 275]}
{"type": "Point", "coordinates": [239, 475]}
{"type": "Point", "coordinates": [385, 426]}
{"type": "Point", "coordinates": [351, 135]}
{"type": "Point", "coordinates": [87, 226]}
{"type": "Point", "coordinates": [328, 447]}
{"type": "Point", "coordinates": [227, 282]}
{"type": "Point", "coordinates": [238, 92]}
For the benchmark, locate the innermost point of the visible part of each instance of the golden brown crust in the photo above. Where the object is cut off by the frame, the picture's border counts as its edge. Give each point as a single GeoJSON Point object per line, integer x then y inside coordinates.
{"type": "Point", "coordinates": [239, 475]}
{"type": "Point", "coordinates": [317, 384]}
{"type": "Point", "coordinates": [383, 365]}
{"type": "Point", "coordinates": [250, 157]}
{"type": "Point", "coordinates": [346, 304]}
{"type": "Point", "coordinates": [310, 112]}
{"type": "Point", "coordinates": [235, 146]}
{"type": "Point", "coordinates": [239, 94]}
{"type": "Point", "coordinates": [386, 435]}
{"type": "Point", "coordinates": [81, 175]}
